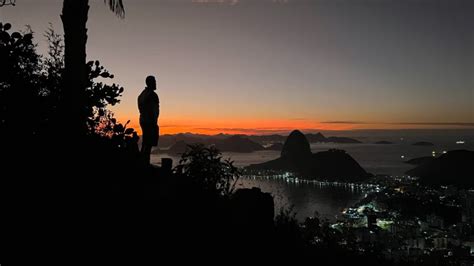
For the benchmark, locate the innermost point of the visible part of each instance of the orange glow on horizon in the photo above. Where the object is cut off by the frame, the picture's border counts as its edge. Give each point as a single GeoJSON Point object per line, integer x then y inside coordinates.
{"type": "Point", "coordinates": [237, 126]}
{"type": "Point", "coordinates": [264, 126]}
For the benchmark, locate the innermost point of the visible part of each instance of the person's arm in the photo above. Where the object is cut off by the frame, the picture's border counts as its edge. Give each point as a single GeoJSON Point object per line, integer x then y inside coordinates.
{"type": "Point", "coordinates": [157, 106]}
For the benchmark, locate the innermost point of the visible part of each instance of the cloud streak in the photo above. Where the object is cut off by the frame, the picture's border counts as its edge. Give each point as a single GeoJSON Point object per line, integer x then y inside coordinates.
{"type": "Point", "coordinates": [345, 122]}
{"type": "Point", "coordinates": [247, 130]}
{"type": "Point", "coordinates": [462, 124]}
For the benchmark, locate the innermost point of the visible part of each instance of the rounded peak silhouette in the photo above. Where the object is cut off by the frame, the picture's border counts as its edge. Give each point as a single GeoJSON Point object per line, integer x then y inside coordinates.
{"type": "Point", "coordinates": [296, 146]}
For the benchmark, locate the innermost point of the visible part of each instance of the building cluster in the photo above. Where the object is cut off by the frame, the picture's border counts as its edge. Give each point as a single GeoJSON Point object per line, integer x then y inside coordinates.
{"type": "Point", "coordinates": [408, 222]}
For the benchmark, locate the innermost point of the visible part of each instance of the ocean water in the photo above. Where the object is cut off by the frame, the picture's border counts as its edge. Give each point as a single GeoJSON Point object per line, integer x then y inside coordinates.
{"type": "Point", "coordinates": [328, 201]}
{"type": "Point", "coordinates": [307, 199]}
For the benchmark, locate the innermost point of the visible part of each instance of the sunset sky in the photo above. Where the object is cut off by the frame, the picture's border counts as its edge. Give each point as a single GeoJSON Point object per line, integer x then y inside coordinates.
{"type": "Point", "coordinates": [265, 66]}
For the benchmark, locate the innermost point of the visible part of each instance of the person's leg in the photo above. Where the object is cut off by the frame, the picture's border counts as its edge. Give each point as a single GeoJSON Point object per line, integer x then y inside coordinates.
{"type": "Point", "coordinates": [146, 151]}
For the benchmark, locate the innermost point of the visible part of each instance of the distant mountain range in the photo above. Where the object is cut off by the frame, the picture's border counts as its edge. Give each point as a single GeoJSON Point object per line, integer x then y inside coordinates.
{"type": "Point", "coordinates": [239, 143]}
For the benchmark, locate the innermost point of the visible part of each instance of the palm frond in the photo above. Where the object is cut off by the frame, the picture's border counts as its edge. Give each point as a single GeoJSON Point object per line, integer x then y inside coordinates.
{"type": "Point", "coordinates": [117, 7]}
{"type": "Point", "coordinates": [7, 2]}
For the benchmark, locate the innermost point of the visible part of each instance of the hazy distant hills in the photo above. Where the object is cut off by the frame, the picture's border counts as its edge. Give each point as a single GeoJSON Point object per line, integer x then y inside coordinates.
{"type": "Point", "coordinates": [331, 165]}
{"type": "Point", "coordinates": [238, 143]}
{"type": "Point", "coordinates": [312, 138]}
{"type": "Point", "coordinates": [234, 143]}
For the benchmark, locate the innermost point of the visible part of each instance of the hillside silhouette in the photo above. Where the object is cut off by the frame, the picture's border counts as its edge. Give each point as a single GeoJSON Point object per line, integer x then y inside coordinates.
{"type": "Point", "coordinates": [451, 168]}
{"type": "Point", "coordinates": [235, 143]}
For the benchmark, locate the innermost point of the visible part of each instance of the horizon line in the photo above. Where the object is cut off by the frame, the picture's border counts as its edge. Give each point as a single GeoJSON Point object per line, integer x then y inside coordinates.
{"type": "Point", "coordinates": [314, 131]}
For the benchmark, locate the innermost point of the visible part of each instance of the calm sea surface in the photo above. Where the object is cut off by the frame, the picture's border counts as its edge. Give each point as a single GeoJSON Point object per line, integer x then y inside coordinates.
{"type": "Point", "coordinates": [328, 200]}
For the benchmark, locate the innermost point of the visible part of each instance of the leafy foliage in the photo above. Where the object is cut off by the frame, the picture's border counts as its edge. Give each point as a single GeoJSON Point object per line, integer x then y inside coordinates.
{"type": "Point", "coordinates": [107, 126]}
{"type": "Point", "coordinates": [208, 170]}
{"type": "Point", "coordinates": [31, 87]}
{"type": "Point", "coordinates": [20, 68]}
{"type": "Point", "coordinates": [100, 96]}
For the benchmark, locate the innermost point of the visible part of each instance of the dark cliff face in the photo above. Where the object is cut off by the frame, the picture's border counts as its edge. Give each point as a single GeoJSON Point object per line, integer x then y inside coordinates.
{"type": "Point", "coordinates": [296, 146]}
{"type": "Point", "coordinates": [453, 168]}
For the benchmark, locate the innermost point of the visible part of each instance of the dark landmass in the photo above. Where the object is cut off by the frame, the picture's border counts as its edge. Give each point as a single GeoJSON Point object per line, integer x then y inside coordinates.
{"type": "Point", "coordinates": [167, 141]}
{"type": "Point", "coordinates": [453, 168]}
{"type": "Point", "coordinates": [275, 147]}
{"type": "Point", "coordinates": [238, 143]}
{"type": "Point", "coordinates": [234, 143]}
{"type": "Point", "coordinates": [383, 142]}
{"type": "Point", "coordinates": [331, 165]}
{"type": "Point", "coordinates": [423, 143]}
{"type": "Point", "coordinates": [318, 137]}
{"type": "Point", "coordinates": [341, 140]}
{"type": "Point", "coordinates": [420, 160]}
{"type": "Point", "coordinates": [267, 138]}
{"type": "Point", "coordinates": [311, 137]}
{"type": "Point", "coordinates": [178, 148]}
{"type": "Point", "coordinates": [296, 146]}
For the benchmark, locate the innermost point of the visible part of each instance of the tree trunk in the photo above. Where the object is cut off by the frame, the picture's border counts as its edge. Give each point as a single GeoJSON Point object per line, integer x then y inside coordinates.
{"type": "Point", "coordinates": [74, 114]}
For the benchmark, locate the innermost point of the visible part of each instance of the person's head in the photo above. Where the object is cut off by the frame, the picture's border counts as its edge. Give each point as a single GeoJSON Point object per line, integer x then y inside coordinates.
{"type": "Point", "coordinates": [151, 82]}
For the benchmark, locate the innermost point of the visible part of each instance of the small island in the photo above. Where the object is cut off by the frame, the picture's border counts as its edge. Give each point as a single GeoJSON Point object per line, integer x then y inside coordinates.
{"type": "Point", "coordinates": [423, 143]}
{"type": "Point", "coordinates": [319, 137]}
{"type": "Point", "coordinates": [384, 142]}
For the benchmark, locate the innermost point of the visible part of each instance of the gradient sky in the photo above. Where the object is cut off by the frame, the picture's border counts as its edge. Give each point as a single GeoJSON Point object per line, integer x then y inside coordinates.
{"type": "Point", "coordinates": [262, 66]}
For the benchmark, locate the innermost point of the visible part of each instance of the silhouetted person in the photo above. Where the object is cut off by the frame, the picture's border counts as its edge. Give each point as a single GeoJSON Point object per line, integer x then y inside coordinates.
{"type": "Point", "coordinates": [149, 106]}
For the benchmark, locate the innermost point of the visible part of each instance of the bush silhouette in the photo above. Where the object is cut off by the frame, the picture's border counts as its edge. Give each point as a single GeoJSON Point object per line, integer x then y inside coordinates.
{"type": "Point", "coordinates": [206, 169]}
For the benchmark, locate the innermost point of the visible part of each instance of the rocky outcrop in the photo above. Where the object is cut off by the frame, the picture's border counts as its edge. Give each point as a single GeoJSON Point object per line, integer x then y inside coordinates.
{"type": "Point", "coordinates": [296, 146]}
{"type": "Point", "coordinates": [296, 156]}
